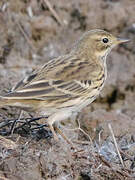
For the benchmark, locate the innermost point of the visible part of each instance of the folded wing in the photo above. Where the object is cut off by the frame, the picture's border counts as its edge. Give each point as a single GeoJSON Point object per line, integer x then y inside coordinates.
{"type": "Point", "coordinates": [49, 89]}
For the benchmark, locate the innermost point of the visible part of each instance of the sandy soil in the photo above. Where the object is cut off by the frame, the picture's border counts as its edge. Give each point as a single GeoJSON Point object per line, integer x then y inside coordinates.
{"type": "Point", "coordinates": [32, 34]}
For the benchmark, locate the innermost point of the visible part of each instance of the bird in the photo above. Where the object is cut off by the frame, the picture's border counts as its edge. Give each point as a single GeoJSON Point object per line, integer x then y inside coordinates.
{"type": "Point", "coordinates": [66, 84]}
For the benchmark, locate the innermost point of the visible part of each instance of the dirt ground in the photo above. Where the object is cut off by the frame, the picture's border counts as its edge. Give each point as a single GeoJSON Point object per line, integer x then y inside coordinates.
{"type": "Point", "coordinates": [31, 33]}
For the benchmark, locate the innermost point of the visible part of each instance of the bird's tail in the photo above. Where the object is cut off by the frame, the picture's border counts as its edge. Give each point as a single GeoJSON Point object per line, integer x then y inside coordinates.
{"type": "Point", "coordinates": [20, 103]}
{"type": "Point", "coordinates": [4, 102]}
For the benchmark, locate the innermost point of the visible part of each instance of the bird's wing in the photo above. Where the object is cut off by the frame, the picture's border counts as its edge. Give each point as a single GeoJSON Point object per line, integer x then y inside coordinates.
{"type": "Point", "coordinates": [50, 89]}
{"type": "Point", "coordinates": [24, 81]}
{"type": "Point", "coordinates": [60, 78]}
{"type": "Point", "coordinates": [47, 68]}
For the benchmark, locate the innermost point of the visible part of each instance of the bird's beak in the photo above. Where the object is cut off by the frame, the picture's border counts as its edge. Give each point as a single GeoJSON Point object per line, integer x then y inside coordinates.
{"type": "Point", "coordinates": [122, 40]}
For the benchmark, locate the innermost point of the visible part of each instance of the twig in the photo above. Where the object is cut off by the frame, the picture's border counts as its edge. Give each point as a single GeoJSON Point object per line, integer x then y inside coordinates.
{"type": "Point", "coordinates": [123, 173]}
{"type": "Point", "coordinates": [126, 155]}
{"type": "Point", "coordinates": [28, 122]}
{"type": "Point", "coordinates": [82, 142]}
{"type": "Point", "coordinates": [26, 36]}
{"type": "Point", "coordinates": [104, 161]}
{"type": "Point", "coordinates": [53, 12]}
{"type": "Point", "coordinates": [13, 125]}
{"type": "Point", "coordinates": [79, 128]}
{"type": "Point", "coordinates": [39, 127]}
{"type": "Point", "coordinates": [22, 122]}
{"type": "Point", "coordinates": [84, 131]}
{"type": "Point", "coordinates": [3, 124]}
{"type": "Point", "coordinates": [99, 136]}
{"type": "Point", "coordinates": [116, 171]}
{"type": "Point", "coordinates": [116, 145]}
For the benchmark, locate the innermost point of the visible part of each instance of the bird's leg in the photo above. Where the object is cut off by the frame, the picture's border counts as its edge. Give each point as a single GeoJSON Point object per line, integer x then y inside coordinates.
{"type": "Point", "coordinates": [53, 131]}
{"type": "Point", "coordinates": [52, 120]}
{"type": "Point", "coordinates": [61, 133]}
{"type": "Point", "coordinates": [65, 137]}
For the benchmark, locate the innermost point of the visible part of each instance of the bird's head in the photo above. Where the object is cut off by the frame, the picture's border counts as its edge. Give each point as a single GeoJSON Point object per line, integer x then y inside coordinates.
{"type": "Point", "coordinates": [98, 42]}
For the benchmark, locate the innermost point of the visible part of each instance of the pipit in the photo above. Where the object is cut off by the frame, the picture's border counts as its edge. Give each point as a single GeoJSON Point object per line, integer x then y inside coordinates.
{"type": "Point", "coordinates": [68, 83]}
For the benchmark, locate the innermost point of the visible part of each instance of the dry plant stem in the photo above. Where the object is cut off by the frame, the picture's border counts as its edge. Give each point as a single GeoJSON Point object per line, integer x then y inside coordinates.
{"type": "Point", "coordinates": [79, 127]}
{"type": "Point", "coordinates": [104, 161]}
{"type": "Point", "coordinates": [123, 173]}
{"type": "Point", "coordinates": [126, 155]}
{"type": "Point", "coordinates": [30, 12]}
{"type": "Point", "coordinates": [116, 145]}
{"type": "Point", "coordinates": [99, 136]}
{"type": "Point", "coordinates": [4, 6]}
{"type": "Point", "coordinates": [116, 171]}
{"type": "Point", "coordinates": [26, 37]}
{"type": "Point", "coordinates": [82, 142]}
{"type": "Point", "coordinates": [53, 12]}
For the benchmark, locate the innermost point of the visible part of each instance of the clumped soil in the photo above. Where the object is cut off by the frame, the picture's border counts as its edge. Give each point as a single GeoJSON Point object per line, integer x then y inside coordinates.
{"type": "Point", "coordinates": [32, 33]}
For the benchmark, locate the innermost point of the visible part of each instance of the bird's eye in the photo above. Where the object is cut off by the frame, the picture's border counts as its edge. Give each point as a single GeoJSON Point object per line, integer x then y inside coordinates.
{"type": "Point", "coordinates": [105, 40]}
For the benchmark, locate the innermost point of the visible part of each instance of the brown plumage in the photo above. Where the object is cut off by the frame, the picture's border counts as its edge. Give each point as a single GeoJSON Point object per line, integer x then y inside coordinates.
{"type": "Point", "coordinates": [66, 84]}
